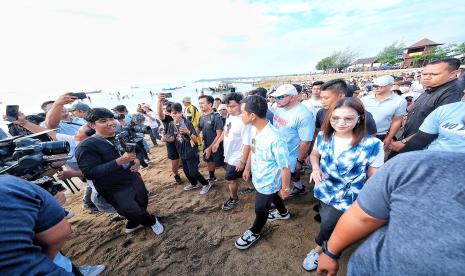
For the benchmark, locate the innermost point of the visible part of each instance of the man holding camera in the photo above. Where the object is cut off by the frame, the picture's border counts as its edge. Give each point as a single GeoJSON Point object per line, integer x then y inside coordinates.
{"type": "Point", "coordinates": [114, 174]}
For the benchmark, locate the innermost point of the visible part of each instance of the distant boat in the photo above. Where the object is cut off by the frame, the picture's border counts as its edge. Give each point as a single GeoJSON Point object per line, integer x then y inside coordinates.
{"type": "Point", "coordinates": [169, 88]}
{"type": "Point", "coordinates": [134, 87]}
{"type": "Point", "coordinates": [223, 87]}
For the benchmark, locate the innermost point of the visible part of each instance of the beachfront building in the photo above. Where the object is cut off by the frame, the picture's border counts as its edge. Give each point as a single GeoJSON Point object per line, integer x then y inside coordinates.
{"type": "Point", "coordinates": [417, 49]}
{"type": "Point", "coordinates": [364, 64]}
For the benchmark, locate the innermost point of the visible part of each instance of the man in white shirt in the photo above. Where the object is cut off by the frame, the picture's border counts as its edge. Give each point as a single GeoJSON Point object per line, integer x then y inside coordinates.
{"type": "Point", "coordinates": [314, 102]}
{"type": "Point", "coordinates": [235, 137]}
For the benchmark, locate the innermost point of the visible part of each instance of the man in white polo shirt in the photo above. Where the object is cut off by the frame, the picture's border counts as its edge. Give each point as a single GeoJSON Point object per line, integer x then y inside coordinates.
{"type": "Point", "coordinates": [387, 108]}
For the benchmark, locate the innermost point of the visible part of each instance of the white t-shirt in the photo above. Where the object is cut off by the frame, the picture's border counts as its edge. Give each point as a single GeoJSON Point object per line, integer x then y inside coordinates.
{"type": "Point", "coordinates": [343, 144]}
{"type": "Point", "coordinates": [317, 105]}
{"type": "Point", "coordinates": [236, 135]}
{"type": "Point", "coordinates": [149, 122]}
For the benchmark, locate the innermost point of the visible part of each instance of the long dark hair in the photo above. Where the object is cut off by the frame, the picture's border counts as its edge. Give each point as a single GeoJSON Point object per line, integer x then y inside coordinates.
{"type": "Point", "coordinates": [359, 131]}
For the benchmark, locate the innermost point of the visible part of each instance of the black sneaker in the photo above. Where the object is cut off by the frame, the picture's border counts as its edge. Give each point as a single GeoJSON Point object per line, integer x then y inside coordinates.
{"type": "Point", "coordinates": [230, 204]}
{"type": "Point", "coordinates": [247, 190]}
{"type": "Point", "coordinates": [178, 179]}
{"type": "Point", "coordinates": [212, 179]}
{"type": "Point", "coordinates": [297, 192]}
{"type": "Point", "coordinates": [316, 207]}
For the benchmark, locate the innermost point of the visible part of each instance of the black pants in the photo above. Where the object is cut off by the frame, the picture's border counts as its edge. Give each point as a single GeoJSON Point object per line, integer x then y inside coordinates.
{"type": "Point", "coordinates": [329, 217]}
{"type": "Point", "coordinates": [262, 208]}
{"type": "Point", "coordinates": [191, 170]}
{"type": "Point", "coordinates": [131, 202]}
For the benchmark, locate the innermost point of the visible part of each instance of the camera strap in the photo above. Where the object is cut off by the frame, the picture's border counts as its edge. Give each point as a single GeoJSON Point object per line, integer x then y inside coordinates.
{"type": "Point", "coordinates": [107, 141]}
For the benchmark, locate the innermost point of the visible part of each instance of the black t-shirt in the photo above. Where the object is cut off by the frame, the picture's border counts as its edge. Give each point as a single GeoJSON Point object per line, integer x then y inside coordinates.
{"type": "Point", "coordinates": [186, 148]}
{"type": "Point", "coordinates": [428, 101]}
{"type": "Point", "coordinates": [209, 124]}
{"type": "Point", "coordinates": [370, 122]}
{"type": "Point", "coordinates": [96, 157]}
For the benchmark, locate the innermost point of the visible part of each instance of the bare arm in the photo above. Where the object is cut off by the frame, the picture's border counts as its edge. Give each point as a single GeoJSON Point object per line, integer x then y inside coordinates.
{"type": "Point", "coordinates": [161, 114]}
{"type": "Point", "coordinates": [52, 239]}
{"type": "Point", "coordinates": [53, 116]}
{"type": "Point", "coordinates": [395, 126]}
{"type": "Point", "coordinates": [353, 226]}
{"type": "Point", "coordinates": [36, 128]}
{"type": "Point", "coordinates": [303, 149]}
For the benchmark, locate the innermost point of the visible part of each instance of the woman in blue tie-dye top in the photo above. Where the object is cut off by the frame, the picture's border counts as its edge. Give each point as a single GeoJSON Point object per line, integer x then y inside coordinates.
{"type": "Point", "coordinates": [343, 158]}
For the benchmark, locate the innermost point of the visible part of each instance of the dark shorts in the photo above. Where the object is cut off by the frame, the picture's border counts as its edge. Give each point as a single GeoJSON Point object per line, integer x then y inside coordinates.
{"type": "Point", "coordinates": [231, 173]}
{"type": "Point", "coordinates": [172, 151]}
{"type": "Point", "coordinates": [216, 157]}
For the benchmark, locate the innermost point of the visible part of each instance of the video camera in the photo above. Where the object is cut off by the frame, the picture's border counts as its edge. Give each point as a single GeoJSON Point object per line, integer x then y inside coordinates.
{"type": "Point", "coordinates": [131, 134]}
{"type": "Point", "coordinates": [29, 158]}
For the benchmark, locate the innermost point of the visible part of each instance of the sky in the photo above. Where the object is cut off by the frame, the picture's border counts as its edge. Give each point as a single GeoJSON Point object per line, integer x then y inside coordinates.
{"type": "Point", "coordinates": [53, 46]}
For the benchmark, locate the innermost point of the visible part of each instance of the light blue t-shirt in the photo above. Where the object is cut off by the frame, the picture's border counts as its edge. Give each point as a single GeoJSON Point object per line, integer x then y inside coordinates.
{"type": "Point", "coordinates": [448, 121]}
{"type": "Point", "coordinates": [295, 125]}
{"type": "Point", "coordinates": [269, 155]}
{"type": "Point", "coordinates": [384, 111]}
{"type": "Point", "coordinates": [68, 128]}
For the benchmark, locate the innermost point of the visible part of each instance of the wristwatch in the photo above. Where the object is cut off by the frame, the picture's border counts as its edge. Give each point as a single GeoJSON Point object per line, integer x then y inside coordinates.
{"type": "Point", "coordinates": [403, 141]}
{"type": "Point", "coordinates": [328, 253]}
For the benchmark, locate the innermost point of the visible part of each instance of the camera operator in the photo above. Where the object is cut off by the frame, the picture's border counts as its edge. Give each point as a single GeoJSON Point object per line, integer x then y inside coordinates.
{"type": "Point", "coordinates": [113, 176]}
{"type": "Point", "coordinates": [33, 231]}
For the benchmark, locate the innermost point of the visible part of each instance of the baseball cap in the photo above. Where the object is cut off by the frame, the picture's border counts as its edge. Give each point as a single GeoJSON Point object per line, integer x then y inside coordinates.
{"type": "Point", "coordinates": [221, 107]}
{"type": "Point", "coordinates": [186, 99]}
{"type": "Point", "coordinates": [383, 80]}
{"type": "Point", "coordinates": [285, 89]}
{"type": "Point", "coordinates": [120, 108]}
{"type": "Point", "coordinates": [79, 106]}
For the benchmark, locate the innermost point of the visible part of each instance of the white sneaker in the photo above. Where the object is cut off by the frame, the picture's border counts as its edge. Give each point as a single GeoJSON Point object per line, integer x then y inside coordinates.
{"type": "Point", "coordinates": [206, 188]}
{"type": "Point", "coordinates": [311, 261]}
{"type": "Point", "coordinates": [246, 240]}
{"type": "Point", "coordinates": [189, 187]}
{"type": "Point", "coordinates": [158, 228]}
{"type": "Point", "coordinates": [275, 215]}
{"type": "Point", "coordinates": [130, 230]}
{"type": "Point", "coordinates": [69, 214]}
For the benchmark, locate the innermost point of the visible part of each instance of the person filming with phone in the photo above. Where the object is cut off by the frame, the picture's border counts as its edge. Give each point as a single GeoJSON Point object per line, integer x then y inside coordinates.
{"type": "Point", "coordinates": [114, 173]}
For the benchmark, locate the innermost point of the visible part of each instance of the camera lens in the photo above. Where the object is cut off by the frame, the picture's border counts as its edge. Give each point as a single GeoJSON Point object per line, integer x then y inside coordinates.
{"type": "Point", "coordinates": [51, 148]}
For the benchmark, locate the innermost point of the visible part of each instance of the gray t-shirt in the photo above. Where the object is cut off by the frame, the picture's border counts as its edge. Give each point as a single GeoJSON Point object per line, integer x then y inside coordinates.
{"type": "Point", "coordinates": [422, 194]}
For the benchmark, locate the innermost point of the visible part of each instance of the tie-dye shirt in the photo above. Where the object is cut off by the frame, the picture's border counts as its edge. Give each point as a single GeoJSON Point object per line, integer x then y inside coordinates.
{"type": "Point", "coordinates": [269, 155]}
{"type": "Point", "coordinates": [345, 175]}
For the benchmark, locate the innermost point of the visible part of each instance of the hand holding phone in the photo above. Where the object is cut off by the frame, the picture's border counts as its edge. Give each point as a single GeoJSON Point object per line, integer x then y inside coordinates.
{"type": "Point", "coordinates": [12, 112]}
{"type": "Point", "coordinates": [79, 95]}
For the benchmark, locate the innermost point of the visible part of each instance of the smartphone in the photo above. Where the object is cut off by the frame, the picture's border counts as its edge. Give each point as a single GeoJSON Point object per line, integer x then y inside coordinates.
{"type": "Point", "coordinates": [168, 95]}
{"type": "Point", "coordinates": [12, 112]}
{"type": "Point", "coordinates": [79, 95]}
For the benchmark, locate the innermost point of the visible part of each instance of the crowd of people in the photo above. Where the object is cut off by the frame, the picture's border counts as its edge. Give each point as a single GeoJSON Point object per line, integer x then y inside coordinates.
{"type": "Point", "coordinates": [352, 135]}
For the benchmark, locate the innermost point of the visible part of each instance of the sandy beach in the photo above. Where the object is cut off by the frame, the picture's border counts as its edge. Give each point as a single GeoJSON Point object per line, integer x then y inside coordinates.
{"type": "Point", "coordinates": [199, 237]}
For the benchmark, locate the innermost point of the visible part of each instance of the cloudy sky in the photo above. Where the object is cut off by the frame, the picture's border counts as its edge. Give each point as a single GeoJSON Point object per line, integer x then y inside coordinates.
{"type": "Point", "coordinates": [58, 45]}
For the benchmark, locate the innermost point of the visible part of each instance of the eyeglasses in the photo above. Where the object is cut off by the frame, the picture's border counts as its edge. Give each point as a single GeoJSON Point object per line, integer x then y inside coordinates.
{"type": "Point", "coordinates": [278, 98]}
{"type": "Point", "coordinates": [346, 120]}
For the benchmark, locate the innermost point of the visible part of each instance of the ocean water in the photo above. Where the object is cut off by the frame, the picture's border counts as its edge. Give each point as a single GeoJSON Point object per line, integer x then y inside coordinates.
{"type": "Point", "coordinates": [29, 103]}
{"type": "Point", "coordinates": [133, 96]}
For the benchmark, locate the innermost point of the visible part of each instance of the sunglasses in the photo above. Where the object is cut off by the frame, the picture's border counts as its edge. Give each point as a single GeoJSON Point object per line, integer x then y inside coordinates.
{"type": "Point", "coordinates": [278, 98]}
{"type": "Point", "coordinates": [346, 120]}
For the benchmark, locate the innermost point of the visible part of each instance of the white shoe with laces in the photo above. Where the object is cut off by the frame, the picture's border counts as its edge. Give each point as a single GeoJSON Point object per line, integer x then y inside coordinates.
{"type": "Point", "coordinates": [206, 188]}
{"type": "Point", "coordinates": [246, 240]}
{"type": "Point", "coordinates": [311, 261]}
